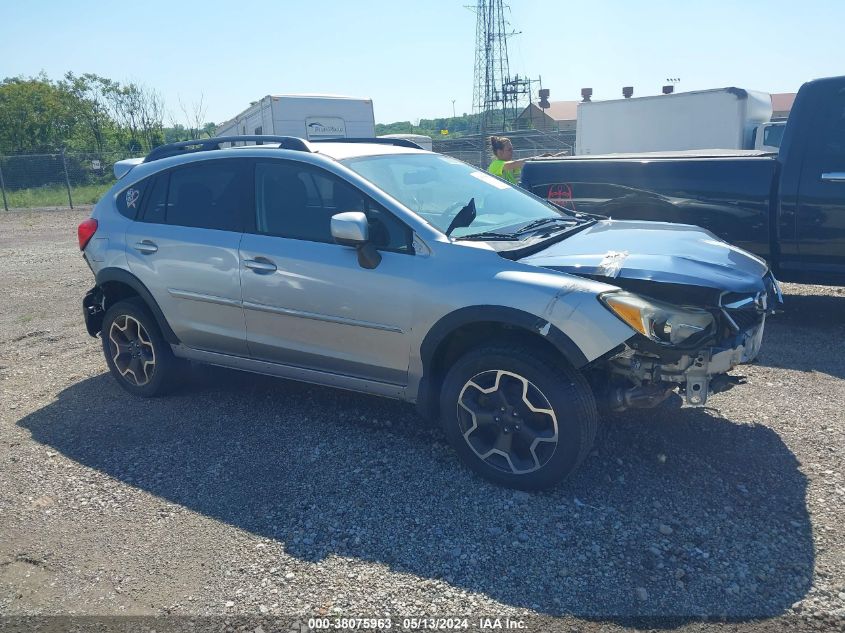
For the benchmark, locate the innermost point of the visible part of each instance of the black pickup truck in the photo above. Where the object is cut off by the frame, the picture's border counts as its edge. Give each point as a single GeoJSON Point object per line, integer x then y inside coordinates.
{"type": "Point", "coordinates": [788, 208]}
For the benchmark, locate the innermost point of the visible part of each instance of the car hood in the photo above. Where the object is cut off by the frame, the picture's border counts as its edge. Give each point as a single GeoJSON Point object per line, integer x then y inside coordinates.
{"type": "Point", "coordinates": [648, 253]}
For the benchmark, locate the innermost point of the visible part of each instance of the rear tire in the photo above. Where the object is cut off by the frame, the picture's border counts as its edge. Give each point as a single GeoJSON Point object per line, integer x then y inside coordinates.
{"type": "Point", "coordinates": [517, 417]}
{"type": "Point", "coordinates": [137, 355]}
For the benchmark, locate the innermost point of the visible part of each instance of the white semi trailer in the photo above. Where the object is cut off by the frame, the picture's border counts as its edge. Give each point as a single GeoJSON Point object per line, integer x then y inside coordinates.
{"type": "Point", "coordinates": [725, 118]}
{"type": "Point", "coordinates": [306, 116]}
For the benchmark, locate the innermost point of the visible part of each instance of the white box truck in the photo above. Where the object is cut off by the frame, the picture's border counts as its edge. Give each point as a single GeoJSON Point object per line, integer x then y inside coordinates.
{"type": "Point", "coordinates": [305, 116]}
{"type": "Point", "coordinates": [725, 118]}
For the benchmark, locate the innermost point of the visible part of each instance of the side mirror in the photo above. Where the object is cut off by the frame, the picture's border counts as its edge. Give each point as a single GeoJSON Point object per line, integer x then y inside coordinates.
{"type": "Point", "coordinates": [351, 229]}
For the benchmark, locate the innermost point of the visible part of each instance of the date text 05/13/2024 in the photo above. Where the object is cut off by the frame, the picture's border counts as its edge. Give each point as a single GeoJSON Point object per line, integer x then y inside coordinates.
{"type": "Point", "coordinates": [417, 624]}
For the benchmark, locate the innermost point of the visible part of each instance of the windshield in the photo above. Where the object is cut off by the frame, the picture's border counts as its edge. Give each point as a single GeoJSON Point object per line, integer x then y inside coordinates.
{"type": "Point", "coordinates": [437, 187]}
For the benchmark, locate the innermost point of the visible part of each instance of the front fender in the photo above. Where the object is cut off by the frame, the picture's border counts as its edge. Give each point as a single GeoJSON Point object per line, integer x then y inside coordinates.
{"type": "Point", "coordinates": [507, 316]}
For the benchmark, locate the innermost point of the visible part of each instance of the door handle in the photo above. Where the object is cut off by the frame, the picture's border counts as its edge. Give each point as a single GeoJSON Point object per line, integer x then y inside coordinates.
{"type": "Point", "coordinates": [260, 265]}
{"type": "Point", "coordinates": [834, 176]}
{"type": "Point", "coordinates": [146, 247]}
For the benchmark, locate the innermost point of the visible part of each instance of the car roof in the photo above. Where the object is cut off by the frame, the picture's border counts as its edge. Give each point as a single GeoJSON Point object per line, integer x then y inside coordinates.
{"type": "Point", "coordinates": [337, 151]}
{"type": "Point", "coordinates": [341, 151]}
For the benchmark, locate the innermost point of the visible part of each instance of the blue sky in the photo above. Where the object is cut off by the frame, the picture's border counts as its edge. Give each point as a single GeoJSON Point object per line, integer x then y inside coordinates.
{"type": "Point", "coordinates": [414, 58]}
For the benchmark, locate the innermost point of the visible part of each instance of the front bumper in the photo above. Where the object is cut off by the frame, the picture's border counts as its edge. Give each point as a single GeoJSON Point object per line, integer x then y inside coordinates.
{"type": "Point", "coordinates": [720, 360]}
{"type": "Point", "coordinates": [644, 373]}
{"type": "Point", "coordinates": [697, 374]}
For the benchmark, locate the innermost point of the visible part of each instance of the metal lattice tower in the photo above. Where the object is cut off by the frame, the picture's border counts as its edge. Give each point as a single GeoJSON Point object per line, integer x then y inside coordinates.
{"type": "Point", "coordinates": [491, 61]}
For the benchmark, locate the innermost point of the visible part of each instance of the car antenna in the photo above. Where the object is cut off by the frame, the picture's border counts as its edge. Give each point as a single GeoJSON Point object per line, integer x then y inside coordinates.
{"type": "Point", "coordinates": [465, 217]}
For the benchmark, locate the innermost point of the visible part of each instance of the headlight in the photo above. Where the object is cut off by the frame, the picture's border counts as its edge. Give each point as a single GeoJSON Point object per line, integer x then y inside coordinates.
{"type": "Point", "coordinates": [661, 322]}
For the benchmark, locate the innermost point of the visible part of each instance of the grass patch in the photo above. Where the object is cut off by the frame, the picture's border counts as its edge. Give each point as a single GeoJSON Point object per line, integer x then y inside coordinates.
{"type": "Point", "coordinates": [55, 196]}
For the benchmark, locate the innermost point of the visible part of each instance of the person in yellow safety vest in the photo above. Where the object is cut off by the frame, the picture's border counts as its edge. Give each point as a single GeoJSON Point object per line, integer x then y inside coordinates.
{"type": "Point", "coordinates": [504, 166]}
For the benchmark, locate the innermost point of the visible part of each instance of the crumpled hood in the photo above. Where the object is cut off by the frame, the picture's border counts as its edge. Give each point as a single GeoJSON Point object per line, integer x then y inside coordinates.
{"type": "Point", "coordinates": [618, 250]}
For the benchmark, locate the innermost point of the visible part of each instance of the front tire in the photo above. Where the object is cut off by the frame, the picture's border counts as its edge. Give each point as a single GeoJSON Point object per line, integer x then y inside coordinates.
{"type": "Point", "coordinates": [137, 355]}
{"type": "Point", "coordinates": [517, 417]}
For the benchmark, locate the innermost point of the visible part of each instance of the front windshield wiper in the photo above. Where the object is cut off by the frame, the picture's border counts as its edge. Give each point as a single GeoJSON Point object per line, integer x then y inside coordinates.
{"type": "Point", "coordinates": [530, 244]}
{"type": "Point", "coordinates": [518, 235]}
{"type": "Point", "coordinates": [542, 222]}
{"type": "Point", "coordinates": [488, 235]}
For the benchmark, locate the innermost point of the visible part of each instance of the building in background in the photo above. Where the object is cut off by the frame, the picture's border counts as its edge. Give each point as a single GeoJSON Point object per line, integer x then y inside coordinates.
{"type": "Point", "coordinates": [781, 105]}
{"type": "Point", "coordinates": [552, 130]}
{"type": "Point", "coordinates": [560, 116]}
{"type": "Point", "coordinates": [563, 115]}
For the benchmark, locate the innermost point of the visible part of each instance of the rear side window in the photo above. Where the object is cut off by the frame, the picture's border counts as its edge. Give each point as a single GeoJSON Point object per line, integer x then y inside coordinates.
{"type": "Point", "coordinates": [211, 195]}
{"type": "Point", "coordinates": [129, 200]}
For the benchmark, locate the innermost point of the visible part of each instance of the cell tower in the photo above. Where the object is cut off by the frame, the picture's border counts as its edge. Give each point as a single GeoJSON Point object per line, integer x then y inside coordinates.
{"type": "Point", "coordinates": [491, 59]}
{"type": "Point", "coordinates": [496, 95]}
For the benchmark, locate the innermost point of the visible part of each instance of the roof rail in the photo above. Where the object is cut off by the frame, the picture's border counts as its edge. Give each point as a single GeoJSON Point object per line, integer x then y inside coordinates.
{"type": "Point", "coordinates": [205, 144]}
{"type": "Point", "coordinates": [398, 142]}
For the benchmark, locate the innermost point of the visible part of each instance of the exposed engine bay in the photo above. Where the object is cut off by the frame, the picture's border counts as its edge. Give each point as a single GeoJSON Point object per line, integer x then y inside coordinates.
{"type": "Point", "coordinates": [654, 364]}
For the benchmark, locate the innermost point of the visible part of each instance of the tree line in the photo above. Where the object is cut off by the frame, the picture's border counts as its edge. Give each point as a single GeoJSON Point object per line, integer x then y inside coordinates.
{"type": "Point", "coordinates": [90, 113]}
{"type": "Point", "coordinates": [456, 126]}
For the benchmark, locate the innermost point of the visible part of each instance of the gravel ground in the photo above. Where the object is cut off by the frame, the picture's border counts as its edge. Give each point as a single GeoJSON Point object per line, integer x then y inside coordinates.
{"type": "Point", "coordinates": [242, 495]}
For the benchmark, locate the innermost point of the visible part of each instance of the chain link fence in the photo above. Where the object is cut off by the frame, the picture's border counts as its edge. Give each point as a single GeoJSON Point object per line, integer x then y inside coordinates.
{"type": "Point", "coordinates": [475, 149]}
{"type": "Point", "coordinates": [66, 178]}
{"type": "Point", "coordinates": [58, 179]}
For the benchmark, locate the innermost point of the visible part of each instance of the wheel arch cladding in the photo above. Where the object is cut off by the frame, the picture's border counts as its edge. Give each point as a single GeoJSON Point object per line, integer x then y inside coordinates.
{"type": "Point", "coordinates": [459, 331]}
{"type": "Point", "coordinates": [118, 284]}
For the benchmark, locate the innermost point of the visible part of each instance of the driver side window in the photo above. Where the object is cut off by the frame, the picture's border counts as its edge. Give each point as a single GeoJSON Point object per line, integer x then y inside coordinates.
{"type": "Point", "coordinates": [297, 201]}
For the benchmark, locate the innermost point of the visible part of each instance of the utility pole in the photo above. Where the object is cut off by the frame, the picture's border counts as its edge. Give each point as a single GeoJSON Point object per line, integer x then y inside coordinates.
{"type": "Point", "coordinates": [493, 86]}
{"type": "Point", "coordinates": [492, 68]}
{"type": "Point", "coordinates": [454, 116]}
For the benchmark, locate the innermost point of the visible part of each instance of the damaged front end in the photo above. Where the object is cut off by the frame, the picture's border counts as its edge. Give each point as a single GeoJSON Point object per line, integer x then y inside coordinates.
{"type": "Point", "coordinates": [689, 349]}
{"type": "Point", "coordinates": [698, 306]}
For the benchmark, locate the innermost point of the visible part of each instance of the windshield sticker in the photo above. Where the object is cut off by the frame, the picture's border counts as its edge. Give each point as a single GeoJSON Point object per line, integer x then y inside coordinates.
{"type": "Point", "coordinates": [611, 264]}
{"type": "Point", "coordinates": [132, 196]}
{"type": "Point", "coordinates": [490, 180]}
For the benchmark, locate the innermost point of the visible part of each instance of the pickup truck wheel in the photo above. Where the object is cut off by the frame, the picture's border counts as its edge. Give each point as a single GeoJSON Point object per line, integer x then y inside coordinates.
{"type": "Point", "coordinates": [518, 418]}
{"type": "Point", "coordinates": [137, 355]}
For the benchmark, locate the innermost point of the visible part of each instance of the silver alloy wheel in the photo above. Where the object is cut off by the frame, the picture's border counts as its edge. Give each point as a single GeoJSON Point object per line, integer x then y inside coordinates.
{"type": "Point", "coordinates": [507, 421]}
{"type": "Point", "coordinates": [132, 350]}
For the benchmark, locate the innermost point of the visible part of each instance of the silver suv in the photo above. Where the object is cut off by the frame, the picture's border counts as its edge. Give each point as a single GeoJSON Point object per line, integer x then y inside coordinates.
{"type": "Point", "coordinates": [390, 270]}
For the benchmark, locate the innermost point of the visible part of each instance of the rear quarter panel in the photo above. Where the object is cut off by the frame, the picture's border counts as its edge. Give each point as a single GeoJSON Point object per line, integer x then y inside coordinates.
{"type": "Point", "coordinates": [107, 248]}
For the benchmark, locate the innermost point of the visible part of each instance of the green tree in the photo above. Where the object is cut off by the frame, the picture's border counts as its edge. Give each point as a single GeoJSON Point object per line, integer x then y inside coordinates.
{"type": "Point", "coordinates": [139, 113]}
{"type": "Point", "coordinates": [35, 115]}
{"type": "Point", "coordinates": [79, 112]}
{"type": "Point", "coordinates": [90, 104]}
